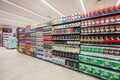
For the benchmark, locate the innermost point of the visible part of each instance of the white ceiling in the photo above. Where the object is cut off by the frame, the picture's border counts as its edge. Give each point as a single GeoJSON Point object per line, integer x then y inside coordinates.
{"type": "Point", "coordinates": [25, 12]}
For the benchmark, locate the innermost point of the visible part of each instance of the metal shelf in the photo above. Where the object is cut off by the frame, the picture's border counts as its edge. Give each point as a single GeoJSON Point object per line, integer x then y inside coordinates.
{"type": "Point", "coordinates": [105, 56]}
{"type": "Point", "coordinates": [98, 16]}
{"type": "Point", "coordinates": [66, 33]}
{"type": "Point", "coordinates": [105, 33]}
{"type": "Point", "coordinates": [93, 64]}
{"type": "Point", "coordinates": [100, 45]}
{"type": "Point", "coordinates": [66, 22]}
{"type": "Point", "coordinates": [64, 51]}
{"type": "Point", "coordinates": [107, 24]}
{"type": "Point", "coordinates": [67, 27]}
{"type": "Point", "coordinates": [66, 67]}
{"type": "Point", "coordinates": [71, 60]}
{"type": "Point", "coordinates": [66, 40]}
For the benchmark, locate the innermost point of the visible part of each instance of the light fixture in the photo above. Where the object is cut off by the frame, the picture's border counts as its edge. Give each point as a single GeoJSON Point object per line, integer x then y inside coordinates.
{"type": "Point", "coordinates": [25, 9]}
{"type": "Point", "coordinates": [82, 5]}
{"type": "Point", "coordinates": [45, 2]}
{"type": "Point", "coordinates": [118, 2]}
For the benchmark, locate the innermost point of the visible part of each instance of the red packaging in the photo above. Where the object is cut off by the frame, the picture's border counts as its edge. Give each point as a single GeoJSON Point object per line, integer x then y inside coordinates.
{"type": "Point", "coordinates": [102, 20]}
{"type": "Point", "coordinates": [97, 21]}
{"type": "Point", "coordinates": [101, 11]}
{"type": "Point", "coordinates": [82, 30]}
{"type": "Point", "coordinates": [106, 39]}
{"type": "Point", "coordinates": [86, 22]}
{"type": "Point", "coordinates": [117, 18]}
{"type": "Point", "coordinates": [89, 22]}
{"type": "Point", "coordinates": [93, 21]}
{"type": "Point", "coordinates": [93, 29]}
{"type": "Point", "coordinates": [117, 39]}
{"type": "Point", "coordinates": [112, 39]}
{"type": "Point", "coordinates": [117, 28]}
{"type": "Point", "coordinates": [107, 20]}
{"type": "Point", "coordinates": [117, 7]}
{"type": "Point", "coordinates": [107, 28]}
{"type": "Point", "coordinates": [112, 8]}
{"type": "Point", "coordinates": [112, 19]}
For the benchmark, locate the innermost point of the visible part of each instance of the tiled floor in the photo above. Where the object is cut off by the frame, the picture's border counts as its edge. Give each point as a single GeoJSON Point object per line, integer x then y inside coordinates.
{"type": "Point", "coordinates": [16, 66]}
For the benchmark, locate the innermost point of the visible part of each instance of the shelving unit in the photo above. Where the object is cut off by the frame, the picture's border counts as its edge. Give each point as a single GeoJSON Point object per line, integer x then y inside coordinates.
{"type": "Point", "coordinates": [33, 38]}
{"type": "Point", "coordinates": [39, 48]}
{"type": "Point", "coordinates": [21, 39]}
{"type": "Point", "coordinates": [99, 44]}
{"type": "Point", "coordinates": [5, 33]}
{"type": "Point", "coordinates": [47, 42]}
{"type": "Point", "coordinates": [88, 43]}
{"type": "Point", "coordinates": [66, 43]}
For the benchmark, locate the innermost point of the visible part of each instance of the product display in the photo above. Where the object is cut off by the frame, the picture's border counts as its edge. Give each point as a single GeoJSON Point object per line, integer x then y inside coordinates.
{"type": "Point", "coordinates": [89, 43]}
{"type": "Point", "coordinates": [99, 43]}
{"type": "Point", "coordinates": [47, 42]}
{"type": "Point", "coordinates": [100, 62]}
{"type": "Point", "coordinates": [5, 34]}
{"type": "Point", "coordinates": [66, 40]}
{"type": "Point", "coordinates": [60, 20]}
{"type": "Point", "coordinates": [97, 71]}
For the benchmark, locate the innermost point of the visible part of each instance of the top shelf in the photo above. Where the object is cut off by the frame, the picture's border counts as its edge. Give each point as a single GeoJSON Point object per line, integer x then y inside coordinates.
{"type": "Point", "coordinates": [66, 22]}
{"type": "Point", "coordinates": [87, 18]}
{"type": "Point", "coordinates": [97, 16]}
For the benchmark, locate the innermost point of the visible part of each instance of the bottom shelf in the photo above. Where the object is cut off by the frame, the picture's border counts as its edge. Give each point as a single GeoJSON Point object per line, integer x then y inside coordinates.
{"type": "Point", "coordinates": [75, 69]}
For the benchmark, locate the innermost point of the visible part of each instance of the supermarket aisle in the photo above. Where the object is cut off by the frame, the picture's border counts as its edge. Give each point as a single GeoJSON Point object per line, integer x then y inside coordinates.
{"type": "Point", "coordinates": [15, 66]}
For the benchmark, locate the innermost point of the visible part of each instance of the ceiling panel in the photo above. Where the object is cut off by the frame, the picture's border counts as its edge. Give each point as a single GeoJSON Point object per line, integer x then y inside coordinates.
{"type": "Point", "coordinates": [13, 9]}
{"type": "Point", "coordinates": [11, 22]}
{"type": "Point", "coordinates": [37, 6]}
{"type": "Point", "coordinates": [93, 5]}
{"type": "Point", "coordinates": [15, 17]}
{"type": "Point", "coordinates": [67, 7]}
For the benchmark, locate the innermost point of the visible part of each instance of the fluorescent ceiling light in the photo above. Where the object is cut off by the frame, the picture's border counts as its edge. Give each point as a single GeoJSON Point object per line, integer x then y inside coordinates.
{"type": "Point", "coordinates": [118, 2]}
{"type": "Point", "coordinates": [18, 15]}
{"type": "Point", "coordinates": [52, 7]}
{"type": "Point", "coordinates": [83, 7]}
{"type": "Point", "coordinates": [25, 9]}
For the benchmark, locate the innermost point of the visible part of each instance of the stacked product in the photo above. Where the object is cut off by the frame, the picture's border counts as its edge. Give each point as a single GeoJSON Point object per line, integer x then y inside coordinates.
{"type": "Point", "coordinates": [88, 43]}
{"type": "Point", "coordinates": [5, 34]}
{"type": "Point", "coordinates": [0, 39]}
{"type": "Point", "coordinates": [27, 41]}
{"type": "Point", "coordinates": [66, 19]}
{"type": "Point", "coordinates": [100, 50]}
{"type": "Point", "coordinates": [47, 42]}
{"type": "Point", "coordinates": [39, 42]}
{"type": "Point", "coordinates": [33, 41]}
{"type": "Point", "coordinates": [66, 36]}
{"type": "Point", "coordinates": [21, 40]}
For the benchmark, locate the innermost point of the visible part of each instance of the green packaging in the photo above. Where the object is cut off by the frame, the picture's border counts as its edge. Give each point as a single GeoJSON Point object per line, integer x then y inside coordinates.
{"type": "Point", "coordinates": [114, 64]}
{"type": "Point", "coordinates": [81, 58]}
{"type": "Point", "coordinates": [82, 48]}
{"type": "Point", "coordinates": [90, 59]}
{"type": "Point", "coordinates": [88, 69]}
{"type": "Point", "coordinates": [92, 49]}
{"type": "Point", "coordinates": [101, 62]}
{"type": "Point", "coordinates": [82, 67]}
{"type": "Point", "coordinates": [100, 50]}
{"type": "Point", "coordinates": [113, 75]}
{"type": "Point", "coordinates": [102, 73]}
